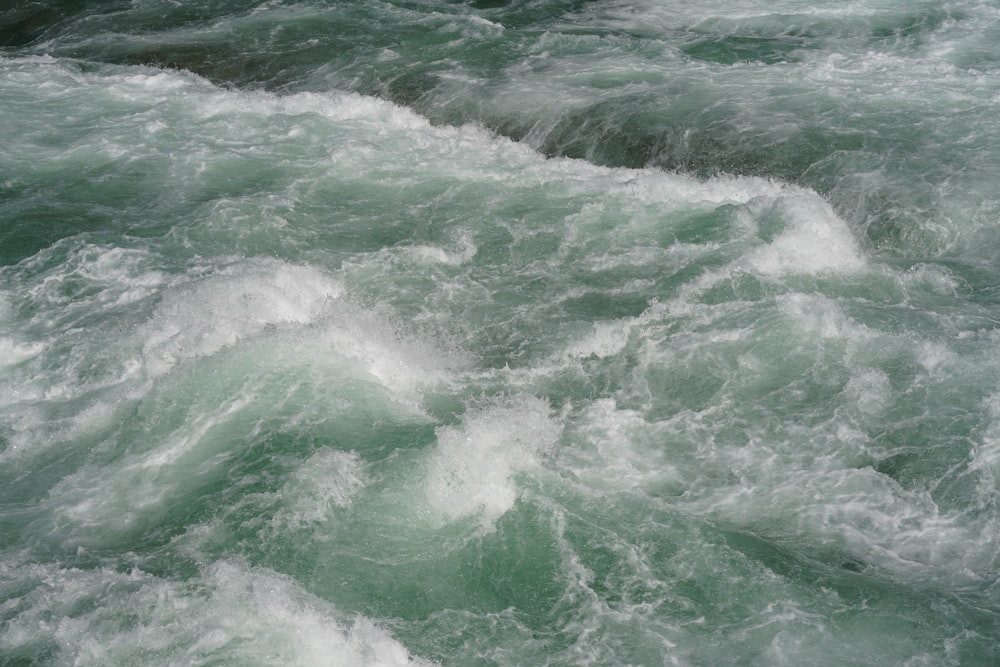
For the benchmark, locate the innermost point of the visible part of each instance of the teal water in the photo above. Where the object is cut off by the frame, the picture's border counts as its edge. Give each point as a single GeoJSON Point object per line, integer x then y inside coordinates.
{"type": "Point", "coordinates": [499, 333]}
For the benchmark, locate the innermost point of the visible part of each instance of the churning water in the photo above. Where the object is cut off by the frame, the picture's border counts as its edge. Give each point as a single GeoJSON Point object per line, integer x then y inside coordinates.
{"type": "Point", "coordinates": [541, 332]}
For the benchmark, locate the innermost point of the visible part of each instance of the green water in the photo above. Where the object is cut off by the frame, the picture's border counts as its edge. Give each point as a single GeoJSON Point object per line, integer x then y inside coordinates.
{"type": "Point", "coordinates": [499, 333]}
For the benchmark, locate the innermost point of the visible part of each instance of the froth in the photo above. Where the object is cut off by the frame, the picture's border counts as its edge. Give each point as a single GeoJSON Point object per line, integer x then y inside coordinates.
{"type": "Point", "coordinates": [232, 614]}
{"type": "Point", "coordinates": [264, 298]}
{"type": "Point", "coordinates": [235, 304]}
{"type": "Point", "coordinates": [13, 352]}
{"type": "Point", "coordinates": [471, 470]}
{"type": "Point", "coordinates": [403, 362]}
{"type": "Point", "coordinates": [328, 480]}
{"type": "Point", "coordinates": [619, 455]}
{"type": "Point", "coordinates": [816, 241]}
{"type": "Point", "coordinates": [985, 456]}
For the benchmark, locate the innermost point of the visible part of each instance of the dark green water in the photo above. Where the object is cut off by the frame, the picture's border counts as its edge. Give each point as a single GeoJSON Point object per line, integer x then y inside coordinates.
{"type": "Point", "coordinates": [499, 333]}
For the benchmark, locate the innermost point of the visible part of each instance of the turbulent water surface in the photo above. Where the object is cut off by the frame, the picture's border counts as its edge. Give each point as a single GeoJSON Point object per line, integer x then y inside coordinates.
{"type": "Point", "coordinates": [540, 332]}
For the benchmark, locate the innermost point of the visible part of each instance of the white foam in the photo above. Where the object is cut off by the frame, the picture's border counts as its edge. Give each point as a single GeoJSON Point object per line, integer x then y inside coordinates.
{"type": "Point", "coordinates": [6, 308]}
{"type": "Point", "coordinates": [821, 316]}
{"type": "Point", "coordinates": [13, 352]}
{"type": "Point", "coordinates": [606, 339]}
{"type": "Point", "coordinates": [232, 614]}
{"type": "Point", "coordinates": [654, 186]}
{"type": "Point", "coordinates": [94, 505]}
{"type": "Point", "coordinates": [817, 241]}
{"type": "Point", "coordinates": [937, 279]}
{"type": "Point", "coordinates": [90, 279]}
{"type": "Point", "coordinates": [328, 480]}
{"type": "Point", "coordinates": [620, 456]}
{"type": "Point", "coordinates": [256, 297]}
{"type": "Point", "coordinates": [934, 356]}
{"type": "Point", "coordinates": [869, 391]}
{"type": "Point", "coordinates": [236, 303]}
{"type": "Point", "coordinates": [34, 430]}
{"type": "Point", "coordinates": [401, 361]}
{"type": "Point", "coordinates": [471, 471]}
{"type": "Point", "coordinates": [464, 251]}
{"type": "Point", "coordinates": [985, 454]}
